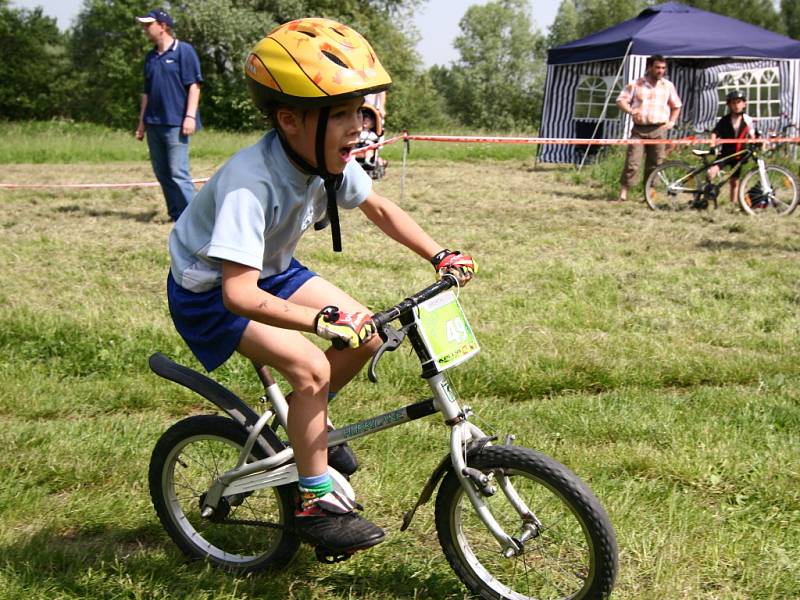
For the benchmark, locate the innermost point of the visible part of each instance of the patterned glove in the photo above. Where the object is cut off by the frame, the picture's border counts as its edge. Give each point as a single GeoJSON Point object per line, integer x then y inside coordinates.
{"type": "Point", "coordinates": [453, 261]}
{"type": "Point", "coordinates": [344, 329]}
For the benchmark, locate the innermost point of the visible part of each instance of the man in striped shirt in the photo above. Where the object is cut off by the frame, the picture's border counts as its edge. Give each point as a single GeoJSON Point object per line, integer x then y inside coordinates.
{"type": "Point", "coordinates": [654, 106]}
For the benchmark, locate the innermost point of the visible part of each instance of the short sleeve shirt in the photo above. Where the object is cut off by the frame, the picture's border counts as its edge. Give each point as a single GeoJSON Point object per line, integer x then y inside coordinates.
{"type": "Point", "coordinates": [253, 212]}
{"type": "Point", "coordinates": [655, 102]}
{"type": "Point", "coordinates": [167, 77]}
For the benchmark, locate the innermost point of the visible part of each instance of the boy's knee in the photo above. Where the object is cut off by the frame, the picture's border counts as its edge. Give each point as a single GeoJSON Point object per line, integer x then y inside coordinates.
{"type": "Point", "coordinates": [312, 376]}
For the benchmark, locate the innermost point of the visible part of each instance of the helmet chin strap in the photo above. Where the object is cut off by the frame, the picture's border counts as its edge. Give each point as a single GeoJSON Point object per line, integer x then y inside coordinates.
{"type": "Point", "coordinates": [332, 182]}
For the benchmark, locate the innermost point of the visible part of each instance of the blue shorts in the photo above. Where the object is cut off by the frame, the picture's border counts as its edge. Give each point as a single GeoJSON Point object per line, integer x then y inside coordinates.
{"type": "Point", "coordinates": [211, 331]}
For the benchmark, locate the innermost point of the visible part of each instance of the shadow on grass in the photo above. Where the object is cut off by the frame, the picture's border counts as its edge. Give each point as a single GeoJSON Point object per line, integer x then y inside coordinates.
{"type": "Point", "coordinates": [102, 561]}
{"type": "Point", "coordinates": [757, 246]}
{"type": "Point", "coordinates": [150, 216]}
{"type": "Point", "coordinates": [595, 196]}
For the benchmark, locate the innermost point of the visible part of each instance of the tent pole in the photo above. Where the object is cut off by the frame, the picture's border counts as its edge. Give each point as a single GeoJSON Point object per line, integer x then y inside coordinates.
{"type": "Point", "coordinates": [605, 104]}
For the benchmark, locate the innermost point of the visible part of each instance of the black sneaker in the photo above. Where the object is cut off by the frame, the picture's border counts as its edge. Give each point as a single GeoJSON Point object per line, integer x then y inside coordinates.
{"type": "Point", "coordinates": [342, 459]}
{"type": "Point", "coordinates": [330, 522]}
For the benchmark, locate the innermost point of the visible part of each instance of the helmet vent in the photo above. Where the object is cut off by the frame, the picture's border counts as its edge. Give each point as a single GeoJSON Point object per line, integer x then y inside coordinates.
{"type": "Point", "coordinates": [310, 34]}
{"type": "Point", "coordinates": [337, 31]}
{"type": "Point", "coordinates": [333, 58]}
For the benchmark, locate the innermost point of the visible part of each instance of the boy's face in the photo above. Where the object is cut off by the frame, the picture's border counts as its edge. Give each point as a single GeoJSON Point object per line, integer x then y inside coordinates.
{"type": "Point", "coordinates": [738, 106]}
{"type": "Point", "coordinates": [369, 122]}
{"type": "Point", "coordinates": [344, 126]}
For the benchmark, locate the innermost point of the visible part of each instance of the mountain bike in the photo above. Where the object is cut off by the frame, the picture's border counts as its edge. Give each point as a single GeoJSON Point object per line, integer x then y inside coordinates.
{"type": "Point", "coordinates": [676, 185]}
{"type": "Point", "coordinates": [511, 521]}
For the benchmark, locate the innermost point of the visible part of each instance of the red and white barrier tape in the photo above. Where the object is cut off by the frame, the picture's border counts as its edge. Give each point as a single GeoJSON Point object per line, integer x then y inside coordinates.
{"type": "Point", "coordinates": [405, 136]}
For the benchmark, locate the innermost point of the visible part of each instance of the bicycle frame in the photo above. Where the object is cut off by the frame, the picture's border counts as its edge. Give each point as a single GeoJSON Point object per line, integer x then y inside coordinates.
{"type": "Point", "coordinates": [746, 155]}
{"type": "Point", "coordinates": [278, 470]}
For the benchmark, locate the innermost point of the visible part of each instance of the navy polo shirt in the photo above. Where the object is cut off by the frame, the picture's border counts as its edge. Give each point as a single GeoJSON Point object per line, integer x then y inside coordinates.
{"type": "Point", "coordinates": [167, 78]}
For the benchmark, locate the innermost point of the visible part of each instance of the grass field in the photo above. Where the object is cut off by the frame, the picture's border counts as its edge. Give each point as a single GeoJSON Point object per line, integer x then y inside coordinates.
{"type": "Point", "coordinates": [655, 355]}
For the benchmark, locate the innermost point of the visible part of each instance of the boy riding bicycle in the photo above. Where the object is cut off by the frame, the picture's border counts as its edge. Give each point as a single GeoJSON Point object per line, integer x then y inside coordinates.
{"type": "Point", "coordinates": [234, 284]}
{"type": "Point", "coordinates": [736, 124]}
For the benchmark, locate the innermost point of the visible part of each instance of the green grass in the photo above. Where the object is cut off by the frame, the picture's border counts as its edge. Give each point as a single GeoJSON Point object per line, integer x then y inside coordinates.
{"type": "Point", "coordinates": [66, 142]}
{"type": "Point", "coordinates": [655, 355]}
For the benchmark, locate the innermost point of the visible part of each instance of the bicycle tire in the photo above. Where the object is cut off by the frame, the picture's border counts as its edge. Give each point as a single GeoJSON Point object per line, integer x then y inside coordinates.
{"type": "Point", "coordinates": [185, 460]}
{"type": "Point", "coordinates": [662, 193]}
{"type": "Point", "coordinates": [784, 197]}
{"type": "Point", "coordinates": [575, 527]}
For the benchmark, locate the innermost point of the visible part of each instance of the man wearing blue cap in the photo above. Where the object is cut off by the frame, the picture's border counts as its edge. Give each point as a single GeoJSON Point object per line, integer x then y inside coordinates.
{"type": "Point", "coordinates": [168, 112]}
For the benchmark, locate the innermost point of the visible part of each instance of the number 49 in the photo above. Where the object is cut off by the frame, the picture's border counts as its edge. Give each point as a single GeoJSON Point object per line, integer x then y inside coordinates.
{"type": "Point", "coordinates": [456, 330]}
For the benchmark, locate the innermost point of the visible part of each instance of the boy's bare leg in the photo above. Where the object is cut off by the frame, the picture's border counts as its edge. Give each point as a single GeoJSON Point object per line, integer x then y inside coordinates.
{"type": "Point", "coordinates": [307, 370]}
{"type": "Point", "coordinates": [734, 183]}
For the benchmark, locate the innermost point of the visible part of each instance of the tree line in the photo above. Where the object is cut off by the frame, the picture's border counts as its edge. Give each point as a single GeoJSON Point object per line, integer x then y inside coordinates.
{"type": "Point", "coordinates": [93, 71]}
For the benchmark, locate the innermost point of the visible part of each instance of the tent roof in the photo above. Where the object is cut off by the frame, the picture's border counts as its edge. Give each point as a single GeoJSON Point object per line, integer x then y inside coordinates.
{"type": "Point", "coordinates": [677, 30]}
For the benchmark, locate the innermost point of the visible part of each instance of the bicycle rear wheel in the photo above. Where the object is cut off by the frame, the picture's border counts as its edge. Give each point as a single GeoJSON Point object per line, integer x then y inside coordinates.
{"type": "Point", "coordinates": [572, 552]}
{"type": "Point", "coordinates": [247, 532]}
{"type": "Point", "coordinates": [672, 186]}
{"type": "Point", "coordinates": [783, 199]}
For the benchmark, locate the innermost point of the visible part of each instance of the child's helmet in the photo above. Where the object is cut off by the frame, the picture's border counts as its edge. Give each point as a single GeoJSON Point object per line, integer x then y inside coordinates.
{"type": "Point", "coordinates": [735, 95]}
{"type": "Point", "coordinates": [313, 63]}
{"type": "Point", "coordinates": [376, 117]}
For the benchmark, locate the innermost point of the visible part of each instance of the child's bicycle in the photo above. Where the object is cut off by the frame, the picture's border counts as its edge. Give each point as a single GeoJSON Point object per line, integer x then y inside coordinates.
{"type": "Point", "coordinates": [512, 522]}
{"type": "Point", "coordinates": [676, 185]}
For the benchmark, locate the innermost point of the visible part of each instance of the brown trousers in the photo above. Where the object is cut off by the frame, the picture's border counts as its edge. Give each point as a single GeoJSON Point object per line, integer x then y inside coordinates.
{"type": "Point", "coordinates": [654, 153]}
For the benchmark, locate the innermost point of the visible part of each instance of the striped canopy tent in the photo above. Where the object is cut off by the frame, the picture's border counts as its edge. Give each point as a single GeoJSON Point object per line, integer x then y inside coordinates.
{"type": "Point", "coordinates": [708, 55]}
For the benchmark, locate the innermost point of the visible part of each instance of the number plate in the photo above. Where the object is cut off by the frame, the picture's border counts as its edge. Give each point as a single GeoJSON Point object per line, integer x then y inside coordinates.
{"type": "Point", "coordinates": [445, 331]}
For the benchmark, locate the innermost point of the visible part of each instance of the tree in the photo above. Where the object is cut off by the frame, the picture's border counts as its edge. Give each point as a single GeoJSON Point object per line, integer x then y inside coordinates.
{"type": "Point", "coordinates": [497, 81]}
{"type": "Point", "coordinates": [33, 66]}
{"type": "Point", "coordinates": [762, 13]}
{"type": "Point", "coordinates": [595, 15]}
{"type": "Point", "coordinates": [223, 33]}
{"type": "Point", "coordinates": [565, 26]}
{"type": "Point", "coordinates": [790, 9]}
{"type": "Point", "coordinates": [107, 49]}
{"type": "Point", "coordinates": [388, 25]}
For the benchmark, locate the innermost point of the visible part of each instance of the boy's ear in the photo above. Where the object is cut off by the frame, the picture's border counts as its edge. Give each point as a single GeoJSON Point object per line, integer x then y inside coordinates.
{"type": "Point", "coordinates": [288, 120]}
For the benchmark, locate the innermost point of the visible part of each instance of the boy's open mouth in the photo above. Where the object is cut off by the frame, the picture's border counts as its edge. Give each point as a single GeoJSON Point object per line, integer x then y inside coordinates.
{"type": "Point", "coordinates": [345, 152]}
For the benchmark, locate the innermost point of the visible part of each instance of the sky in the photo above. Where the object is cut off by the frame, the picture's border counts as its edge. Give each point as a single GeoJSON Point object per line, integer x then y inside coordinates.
{"type": "Point", "coordinates": [437, 22]}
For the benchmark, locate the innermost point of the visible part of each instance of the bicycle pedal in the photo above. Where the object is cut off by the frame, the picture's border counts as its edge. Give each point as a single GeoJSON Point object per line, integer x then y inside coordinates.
{"type": "Point", "coordinates": [329, 557]}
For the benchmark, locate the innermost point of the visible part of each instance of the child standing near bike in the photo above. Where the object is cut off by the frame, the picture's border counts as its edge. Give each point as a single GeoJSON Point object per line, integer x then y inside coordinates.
{"type": "Point", "coordinates": [736, 124]}
{"type": "Point", "coordinates": [234, 284]}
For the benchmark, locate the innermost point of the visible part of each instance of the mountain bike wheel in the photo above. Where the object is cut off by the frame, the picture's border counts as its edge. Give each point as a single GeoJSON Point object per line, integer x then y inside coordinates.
{"type": "Point", "coordinates": [247, 533]}
{"type": "Point", "coordinates": [783, 199]}
{"type": "Point", "coordinates": [671, 186]}
{"type": "Point", "coordinates": [572, 552]}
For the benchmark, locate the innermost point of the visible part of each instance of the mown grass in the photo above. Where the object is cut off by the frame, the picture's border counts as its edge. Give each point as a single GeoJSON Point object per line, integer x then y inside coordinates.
{"type": "Point", "coordinates": [66, 142]}
{"type": "Point", "coordinates": [653, 354]}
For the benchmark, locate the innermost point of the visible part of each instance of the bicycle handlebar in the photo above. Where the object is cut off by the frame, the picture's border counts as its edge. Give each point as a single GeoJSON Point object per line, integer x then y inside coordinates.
{"type": "Point", "coordinates": [383, 318]}
{"type": "Point", "coordinates": [392, 338]}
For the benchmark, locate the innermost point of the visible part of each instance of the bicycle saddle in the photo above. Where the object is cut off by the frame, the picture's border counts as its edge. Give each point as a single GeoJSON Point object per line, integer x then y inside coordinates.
{"type": "Point", "coordinates": [698, 152]}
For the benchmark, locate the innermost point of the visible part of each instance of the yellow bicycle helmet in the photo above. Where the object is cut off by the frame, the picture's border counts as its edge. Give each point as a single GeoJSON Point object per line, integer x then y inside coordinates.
{"type": "Point", "coordinates": [313, 63]}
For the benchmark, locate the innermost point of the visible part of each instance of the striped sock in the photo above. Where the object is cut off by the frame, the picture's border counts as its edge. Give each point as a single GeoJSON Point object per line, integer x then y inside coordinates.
{"type": "Point", "coordinates": [314, 487]}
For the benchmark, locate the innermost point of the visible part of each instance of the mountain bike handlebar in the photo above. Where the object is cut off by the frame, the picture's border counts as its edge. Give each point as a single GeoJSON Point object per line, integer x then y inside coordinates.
{"type": "Point", "coordinates": [392, 338]}
{"type": "Point", "coordinates": [383, 318]}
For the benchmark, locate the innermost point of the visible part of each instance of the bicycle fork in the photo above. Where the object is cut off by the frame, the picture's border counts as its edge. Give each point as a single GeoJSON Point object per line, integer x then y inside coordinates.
{"type": "Point", "coordinates": [476, 484]}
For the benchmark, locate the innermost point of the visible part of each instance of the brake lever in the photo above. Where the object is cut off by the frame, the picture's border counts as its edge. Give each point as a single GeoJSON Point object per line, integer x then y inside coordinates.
{"type": "Point", "coordinates": [392, 338]}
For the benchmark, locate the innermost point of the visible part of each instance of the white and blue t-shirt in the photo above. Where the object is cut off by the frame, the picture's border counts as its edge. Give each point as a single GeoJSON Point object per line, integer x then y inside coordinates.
{"type": "Point", "coordinates": [253, 212]}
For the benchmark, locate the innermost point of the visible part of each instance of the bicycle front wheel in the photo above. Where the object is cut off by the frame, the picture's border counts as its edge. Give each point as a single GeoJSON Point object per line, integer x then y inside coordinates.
{"type": "Point", "coordinates": [672, 186]}
{"type": "Point", "coordinates": [781, 201]}
{"type": "Point", "coordinates": [571, 551]}
{"type": "Point", "coordinates": [247, 534]}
